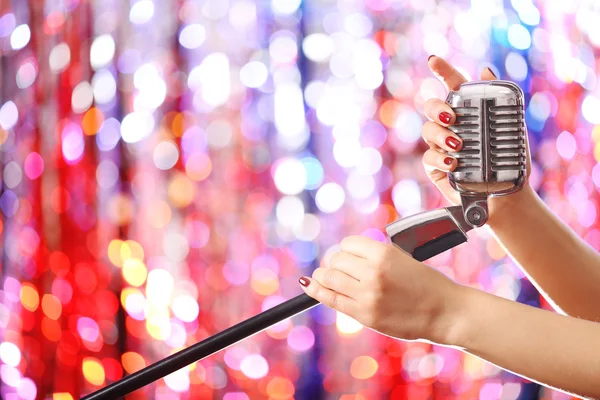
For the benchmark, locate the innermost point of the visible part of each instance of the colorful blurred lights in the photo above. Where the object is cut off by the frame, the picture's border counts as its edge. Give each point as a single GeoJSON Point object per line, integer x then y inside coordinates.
{"type": "Point", "coordinates": [347, 325]}
{"type": "Point", "coordinates": [519, 37]}
{"type": "Point", "coordinates": [301, 338]}
{"type": "Point", "coordinates": [363, 367]}
{"type": "Point", "coordinates": [254, 366]}
{"type": "Point", "coordinates": [88, 329]}
{"type": "Point", "coordinates": [566, 146]}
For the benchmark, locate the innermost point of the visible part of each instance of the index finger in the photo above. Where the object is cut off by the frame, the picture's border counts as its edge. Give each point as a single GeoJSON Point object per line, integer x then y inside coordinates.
{"type": "Point", "coordinates": [363, 246]}
{"type": "Point", "coordinates": [446, 73]}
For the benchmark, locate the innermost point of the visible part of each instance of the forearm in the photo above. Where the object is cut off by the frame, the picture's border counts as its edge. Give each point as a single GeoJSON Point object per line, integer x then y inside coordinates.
{"type": "Point", "coordinates": [558, 262]}
{"type": "Point", "coordinates": [558, 351]}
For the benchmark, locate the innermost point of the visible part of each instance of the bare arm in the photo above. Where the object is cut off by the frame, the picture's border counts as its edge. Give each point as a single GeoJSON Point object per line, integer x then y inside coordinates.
{"type": "Point", "coordinates": [561, 265]}
{"type": "Point", "coordinates": [546, 347]}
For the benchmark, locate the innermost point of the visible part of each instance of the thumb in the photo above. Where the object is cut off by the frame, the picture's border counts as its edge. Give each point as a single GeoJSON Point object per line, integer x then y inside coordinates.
{"type": "Point", "coordinates": [446, 73]}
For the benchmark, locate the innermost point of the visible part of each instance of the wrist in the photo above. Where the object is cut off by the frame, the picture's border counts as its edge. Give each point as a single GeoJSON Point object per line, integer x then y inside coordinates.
{"type": "Point", "coordinates": [458, 318]}
{"type": "Point", "coordinates": [503, 209]}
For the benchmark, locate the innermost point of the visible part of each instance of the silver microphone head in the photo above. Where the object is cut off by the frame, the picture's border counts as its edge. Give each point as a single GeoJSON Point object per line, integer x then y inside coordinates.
{"type": "Point", "coordinates": [492, 161]}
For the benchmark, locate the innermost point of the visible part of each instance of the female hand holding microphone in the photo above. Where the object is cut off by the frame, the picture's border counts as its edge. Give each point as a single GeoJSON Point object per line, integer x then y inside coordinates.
{"type": "Point", "coordinates": [388, 291]}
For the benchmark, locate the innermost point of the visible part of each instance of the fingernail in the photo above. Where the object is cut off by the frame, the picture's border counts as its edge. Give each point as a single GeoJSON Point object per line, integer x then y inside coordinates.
{"type": "Point", "coordinates": [492, 72]}
{"type": "Point", "coordinates": [445, 117]}
{"type": "Point", "coordinates": [304, 281]}
{"type": "Point", "coordinates": [429, 58]}
{"type": "Point", "coordinates": [452, 142]}
{"type": "Point", "coordinates": [448, 160]}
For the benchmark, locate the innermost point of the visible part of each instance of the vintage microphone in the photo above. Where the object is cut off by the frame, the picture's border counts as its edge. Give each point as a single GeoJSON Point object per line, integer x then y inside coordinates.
{"type": "Point", "coordinates": [492, 162]}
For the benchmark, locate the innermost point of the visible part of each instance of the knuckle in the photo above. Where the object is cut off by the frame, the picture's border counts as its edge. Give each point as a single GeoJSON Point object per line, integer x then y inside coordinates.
{"type": "Point", "coordinates": [328, 278]}
{"type": "Point", "coordinates": [333, 301]}
{"type": "Point", "coordinates": [335, 259]}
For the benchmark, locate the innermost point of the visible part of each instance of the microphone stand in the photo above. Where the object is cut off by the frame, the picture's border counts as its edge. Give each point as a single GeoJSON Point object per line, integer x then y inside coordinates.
{"type": "Point", "coordinates": [422, 235]}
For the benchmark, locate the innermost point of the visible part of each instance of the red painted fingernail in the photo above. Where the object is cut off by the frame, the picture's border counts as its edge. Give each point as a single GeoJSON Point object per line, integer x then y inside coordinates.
{"type": "Point", "coordinates": [448, 160]}
{"type": "Point", "coordinates": [429, 58]}
{"type": "Point", "coordinates": [492, 72]}
{"type": "Point", "coordinates": [452, 142]}
{"type": "Point", "coordinates": [445, 117]}
{"type": "Point", "coordinates": [304, 281]}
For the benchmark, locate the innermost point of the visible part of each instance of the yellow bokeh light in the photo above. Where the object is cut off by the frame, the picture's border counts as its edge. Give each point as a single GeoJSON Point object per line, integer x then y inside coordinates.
{"type": "Point", "coordinates": [158, 324]}
{"type": "Point", "coordinates": [363, 367]}
{"type": "Point", "coordinates": [93, 371]}
{"type": "Point", "coordinates": [596, 134]}
{"type": "Point", "coordinates": [62, 396]}
{"type": "Point", "coordinates": [132, 249]}
{"type": "Point", "coordinates": [347, 325]}
{"type": "Point", "coordinates": [114, 252]}
{"type": "Point", "coordinates": [473, 366]}
{"type": "Point", "coordinates": [132, 362]}
{"type": "Point", "coordinates": [51, 306]}
{"type": "Point", "coordinates": [597, 151]}
{"type": "Point", "coordinates": [264, 282]}
{"type": "Point", "coordinates": [134, 272]}
{"type": "Point", "coordinates": [181, 191]}
{"type": "Point", "coordinates": [280, 388]}
{"type": "Point", "coordinates": [29, 297]}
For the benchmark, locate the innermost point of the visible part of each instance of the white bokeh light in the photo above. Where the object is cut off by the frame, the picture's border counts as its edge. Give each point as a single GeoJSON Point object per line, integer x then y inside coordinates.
{"type": "Point", "coordinates": [318, 47]}
{"type": "Point", "coordinates": [82, 97]}
{"type": "Point", "coordinates": [192, 36]}
{"type": "Point", "coordinates": [406, 196]}
{"type": "Point", "coordinates": [159, 287]}
{"type": "Point", "coordinates": [165, 155]}
{"type": "Point", "coordinates": [290, 176]}
{"type": "Point", "coordinates": [141, 12]}
{"type": "Point", "coordinates": [185, 308]}
{"type": "Point", "coordinates": [589, 109]}
{"type": "Point", "coordinates": [360, 186]}
{"type": "Point", "coordinates": [254, 74]}
{"type": "Point", "coordinates": [330, 197]}
{"type": "Point", "coordinates": [289, 110]}
{"type": "Point", "coordinates": [254, 366]}
{"type": "Point", "coordinates": [60, 57]}
{"type": "Point", "coordinates": [285, 7]}
{"type": "Point", "coordinates": [290, 211]}
{"type": "Point", "coordinates": [104, 87]}
{"type": "Point", "coordinates": [9, 115]}
{"type": "Point", "coordinates": [136, 126]}
{"type": "Point", "coordinates": [347, 152]}
{"type": "Point", "coordinates": [20, 37]}
{"type": "Point", "coordinates": [102, 51]}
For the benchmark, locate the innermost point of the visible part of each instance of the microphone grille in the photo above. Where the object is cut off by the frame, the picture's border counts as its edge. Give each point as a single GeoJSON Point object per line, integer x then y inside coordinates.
{"type": "Point", "coordinates": [490, 121]}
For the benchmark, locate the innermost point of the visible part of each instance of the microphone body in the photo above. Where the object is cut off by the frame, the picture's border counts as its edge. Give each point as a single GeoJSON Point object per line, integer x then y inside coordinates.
{"type": "Point", "coordinates": [492, 162]}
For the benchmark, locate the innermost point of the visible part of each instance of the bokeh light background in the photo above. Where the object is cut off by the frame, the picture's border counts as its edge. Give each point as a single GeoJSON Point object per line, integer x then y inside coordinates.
{"type": "Point", "coordinates": [172, 167]}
